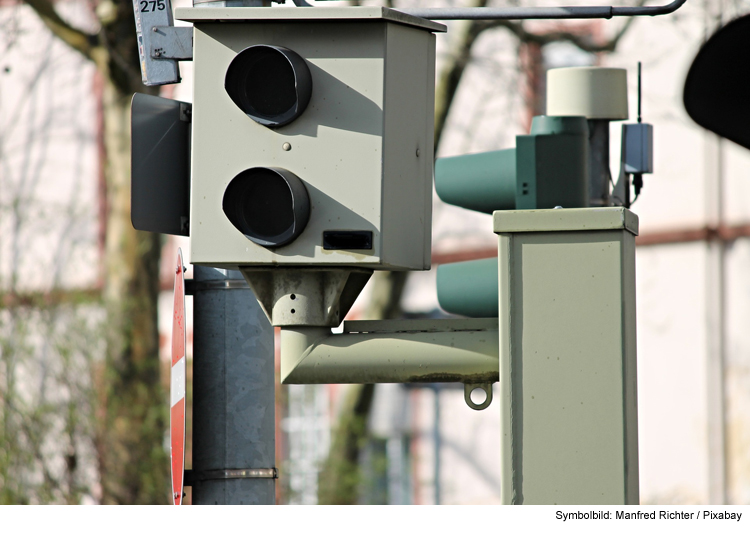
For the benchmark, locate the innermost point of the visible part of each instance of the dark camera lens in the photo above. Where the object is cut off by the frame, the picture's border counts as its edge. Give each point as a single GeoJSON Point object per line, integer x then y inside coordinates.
{"type": "Point", "coordinates": [271, 84]}
{"type": "Point", "coordinates": [270, 206]}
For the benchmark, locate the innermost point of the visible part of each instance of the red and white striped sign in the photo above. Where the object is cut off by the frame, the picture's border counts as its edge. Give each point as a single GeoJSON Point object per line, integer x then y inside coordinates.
{"type": "Point", "coordinates": [177, 385]}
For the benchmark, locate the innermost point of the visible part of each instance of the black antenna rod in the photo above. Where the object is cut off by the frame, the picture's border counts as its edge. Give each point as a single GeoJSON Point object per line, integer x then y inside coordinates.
{"type": "Point", "coordinates": [639, 92]}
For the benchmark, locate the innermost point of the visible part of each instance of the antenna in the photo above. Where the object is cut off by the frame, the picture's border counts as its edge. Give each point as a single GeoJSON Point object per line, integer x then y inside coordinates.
{"type": "Point", "coordinates": [639, 92]}
{"type": "Point", "coordinates": [637, 155]}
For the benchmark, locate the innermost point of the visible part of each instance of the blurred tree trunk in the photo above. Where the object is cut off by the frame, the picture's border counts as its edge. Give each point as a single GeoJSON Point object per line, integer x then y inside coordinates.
{"type": "Point", "coordinates": [340, 478]}
{"type": "Point", "coordinates": [131, 412]}
{"type": "Point", "coordinates": [132, 458]}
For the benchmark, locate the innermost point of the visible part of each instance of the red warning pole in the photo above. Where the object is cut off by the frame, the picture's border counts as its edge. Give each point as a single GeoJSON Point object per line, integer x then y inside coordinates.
{"type": "Point", "coordinates": [177, 385]}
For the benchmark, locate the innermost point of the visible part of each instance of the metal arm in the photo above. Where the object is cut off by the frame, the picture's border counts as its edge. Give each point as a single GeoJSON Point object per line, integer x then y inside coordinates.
{"type": "Point", "coordinates": [517, 13]}
{"type": "Point", "coordinates": [395, 351]}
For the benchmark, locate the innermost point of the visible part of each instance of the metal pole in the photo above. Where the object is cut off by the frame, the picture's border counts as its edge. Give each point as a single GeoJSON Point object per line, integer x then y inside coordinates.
{"type": "Point", "coordinates": [438, 443]}
{"type": "Point", "coordinates": [716, 328]}
{"type": "Point", "coordinates": [599, 173]}
{"type": "Point", "coordinates": [517, 13]}
{"type": "Point", "coordinates": [233, 393]}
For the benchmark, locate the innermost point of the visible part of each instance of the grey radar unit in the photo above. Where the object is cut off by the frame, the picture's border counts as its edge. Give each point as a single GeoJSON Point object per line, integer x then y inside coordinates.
{"type": "Point", "coordinates": [311, 158]}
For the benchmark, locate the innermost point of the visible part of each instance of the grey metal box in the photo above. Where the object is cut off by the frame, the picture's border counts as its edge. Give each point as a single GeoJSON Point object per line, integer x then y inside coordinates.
{"type": "Point", "coordinates": [568, 378]}
{"type": "Point", "coordinates": [363, 147]}
{"type": "Point", "coordinates": [639, 148]}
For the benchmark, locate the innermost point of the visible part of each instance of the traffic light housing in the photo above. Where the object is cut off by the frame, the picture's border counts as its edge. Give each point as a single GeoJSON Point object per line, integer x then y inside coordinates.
{"type": "Point", "coordinates": [312, 138]}
{"type": "Point", "coordinates": [548, 168]}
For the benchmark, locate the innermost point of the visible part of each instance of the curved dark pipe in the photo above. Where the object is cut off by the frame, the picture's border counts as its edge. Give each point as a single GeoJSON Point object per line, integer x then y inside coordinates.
{"type": "Point", "coordinates": [517, 13]}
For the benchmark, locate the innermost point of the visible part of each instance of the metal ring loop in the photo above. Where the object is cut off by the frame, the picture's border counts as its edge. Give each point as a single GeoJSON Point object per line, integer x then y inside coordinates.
{"type": "Point", "coordinates": [486, 387]}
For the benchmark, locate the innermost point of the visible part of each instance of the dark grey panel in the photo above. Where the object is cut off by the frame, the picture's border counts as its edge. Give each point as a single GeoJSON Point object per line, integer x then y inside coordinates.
{"type": "Point", "coordinates": [160, 166]}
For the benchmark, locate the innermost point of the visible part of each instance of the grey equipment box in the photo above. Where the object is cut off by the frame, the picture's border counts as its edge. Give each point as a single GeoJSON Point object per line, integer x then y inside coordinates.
{"type": "Point", "coordinates": [569, 410]}
{"type": "Point", "coordinates": [363, 147]}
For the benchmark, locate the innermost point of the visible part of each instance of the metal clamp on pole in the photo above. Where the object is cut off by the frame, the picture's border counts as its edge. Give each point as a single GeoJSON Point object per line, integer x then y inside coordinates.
{"type": "Point", "coordinates": [192, 286]}
{"type": "Point", "coordinates": [192, 476]}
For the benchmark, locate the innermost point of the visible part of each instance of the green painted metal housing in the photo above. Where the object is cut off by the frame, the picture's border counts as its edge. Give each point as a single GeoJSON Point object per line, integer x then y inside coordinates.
{"type": "Point", "coordinates": [552, 164]}
{"type": "Point", "coordinates": [481, 182]}
{"type": "Point", "coordinates": [548, 168]}
{"type": "Point", "coordinates": [469, 288]}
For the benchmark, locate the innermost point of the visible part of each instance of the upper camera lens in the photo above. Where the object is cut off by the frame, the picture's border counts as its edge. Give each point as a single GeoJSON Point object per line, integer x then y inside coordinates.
{"type": "Point", "coordinates": [271, 84]}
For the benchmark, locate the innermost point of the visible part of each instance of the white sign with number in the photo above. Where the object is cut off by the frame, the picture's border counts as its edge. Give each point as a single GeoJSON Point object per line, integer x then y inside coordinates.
{"type": "Point", "coordinates": [150, 14]}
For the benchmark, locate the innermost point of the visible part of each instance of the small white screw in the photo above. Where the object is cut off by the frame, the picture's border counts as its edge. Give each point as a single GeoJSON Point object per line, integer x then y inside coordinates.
{"type": "Point", "coordinates": [286, 147]}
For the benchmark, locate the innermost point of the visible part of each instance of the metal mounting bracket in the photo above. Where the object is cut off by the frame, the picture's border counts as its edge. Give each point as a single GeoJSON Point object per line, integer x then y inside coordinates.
{"type": "Point", "coordinates": [156, 34]}
{"type": "Point", "coordinates": [396, 351]}
{"type": "Point", "coordinates": [170, 42]}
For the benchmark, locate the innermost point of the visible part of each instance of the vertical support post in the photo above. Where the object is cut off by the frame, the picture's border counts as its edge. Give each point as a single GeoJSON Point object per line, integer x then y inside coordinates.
{"type": "Point", "coordinates": [233, 392]}
{"type": "Point", "coordinates": [438, 443]}
{"type": "Point", "coordinates": [716, 330]}
{"type": "Point", "coordinates": [568, 388]}
{"type": "Point", "coordinates": [600, 175]}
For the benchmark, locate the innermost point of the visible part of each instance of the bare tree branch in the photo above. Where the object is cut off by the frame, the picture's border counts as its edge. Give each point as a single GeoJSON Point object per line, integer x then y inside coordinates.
{"type": "Point", "coordinates": [453, 69]}
{"type": "Point", "coordinates": [75, 38]}
{"type": "Point", "coordinates": [583, 41]}
{"type": "Point", "coordinates": [450, 75]}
